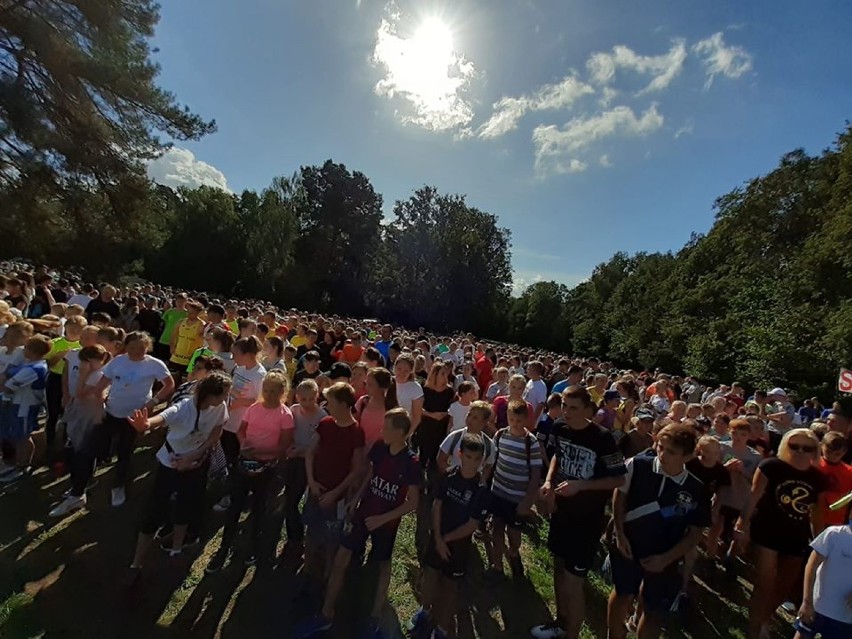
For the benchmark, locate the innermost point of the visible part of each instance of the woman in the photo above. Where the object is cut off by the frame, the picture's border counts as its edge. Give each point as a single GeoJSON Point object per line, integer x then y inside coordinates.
{"type": "Point", "coordinates": [437, 398]}
{"type": "Point", "coordinates": [195, 424]}
{"type": "Point", "coordinates": [187, 337]}
{"type": "Point", "coordinates": [782, 515]}
{"type": "Point", "coordinates": [371, 408]}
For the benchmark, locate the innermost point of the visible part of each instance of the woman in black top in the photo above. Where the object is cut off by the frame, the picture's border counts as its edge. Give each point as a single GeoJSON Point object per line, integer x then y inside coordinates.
{"type": "Point", "coordinates": [782, 515]}
{"type": "Point", "coordinates": [437, 397]}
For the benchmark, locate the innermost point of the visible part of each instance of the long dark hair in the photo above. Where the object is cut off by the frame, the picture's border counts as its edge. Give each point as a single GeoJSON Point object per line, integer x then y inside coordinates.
{"type": "Point", "coordinates": [387, 383]}
{"type": "Point", "coordinates": [215, 384]}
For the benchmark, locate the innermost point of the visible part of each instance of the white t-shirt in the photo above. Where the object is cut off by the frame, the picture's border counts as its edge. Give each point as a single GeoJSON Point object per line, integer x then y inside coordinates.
{"type": "Point", "coordinates": [19, 388]}
{"type": "Point", "coordinates": [451, 446]}
{"type": "Point", "coordinates": [459, 415]}
{"type": "Point", "coordinates": [72, 366]}
{"type": "Point", "coordinates": [306, 425]}
{"type": "Point", "coordinates": [131, 382]}
{"type": "Point", "coordinates": [10, 358]}
{"type": "Point", "coordinates": [833, 584]}
{"type": "Point", "coordinates": [184, 435]}
{"type": "Point", "coordinates": [535, 393]}
{"type": "Point", "coordinates": [79, 298]}
{"type": "Point", "coordinates": [247, 383]}
{"type": "Point", "coordinates": [406, 394]}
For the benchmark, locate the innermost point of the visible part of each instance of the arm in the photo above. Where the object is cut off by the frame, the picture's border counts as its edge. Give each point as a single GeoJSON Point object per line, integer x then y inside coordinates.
{"type": "Point", "coordinates": [191, 458]}
{"type": "Point", "coordinates": [462, 532]}
{"type": "Point", "coordinates": [412, 498]}
{"type": "Point", "coordinates": [165, 392]}
{"type": "Point", "coordinates": [806, 612]}
{"type": "Point", "coordinates": [355, 473]}
{"type": "Point", "coordinates": [315, 488]}
{"type": "Point", "coordinates": [758, 487]}
{"type": "Point", "coordinates": [532, 491]}
{"type": "Point", "coordinates": [443, 461]}
{"type": "Point", "coordinates": [66, 392]}
{"type": "Point", "coordinates": [173, 337]}
{"type": "Point", "coordinates": [416, 413]}
{"type": "Point", "coordinates": [572, 487]}
{"type": "Point", "coordinates": [619, 508]}
{"type": "Point", "coordinates": [657, 563]}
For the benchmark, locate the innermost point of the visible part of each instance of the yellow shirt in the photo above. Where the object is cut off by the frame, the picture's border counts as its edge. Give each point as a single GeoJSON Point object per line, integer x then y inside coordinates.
{"type": "Point", "coordinates": [60, 346]}
{"type": "Point", "coordinates": [189, 339]}
{"type": "Point", "coordinates": [297, 341]}
{"type": "Point", "coordinates": [597, 397]}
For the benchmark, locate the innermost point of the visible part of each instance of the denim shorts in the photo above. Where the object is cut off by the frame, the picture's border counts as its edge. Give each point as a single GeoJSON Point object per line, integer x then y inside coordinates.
{"type": "Point", "coordinates": [14, 428]}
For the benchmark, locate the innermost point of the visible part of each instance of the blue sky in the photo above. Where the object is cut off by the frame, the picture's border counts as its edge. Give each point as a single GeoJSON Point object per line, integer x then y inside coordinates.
{"type": "Point", "coordinates": [587, 127]}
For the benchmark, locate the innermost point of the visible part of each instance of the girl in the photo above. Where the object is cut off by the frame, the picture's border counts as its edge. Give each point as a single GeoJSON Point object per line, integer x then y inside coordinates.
{"type": "Point", "coordinates": [245, 391]}
{"type": "Point", "coordinates": [219, 343]}
{"type": "Point", "coordinates": [420, 372]}
{"type": "Point", "coordinates": [11, 354]}
{"type": "Point", "coordinates": [783, 513]}
{"type": "Point", "coordinates": [409, 393]}
{"type": "Point", "coordinates": [499, 388]}
{"type": "Point", "coordinates": [468, 375]}
{"type": "Point", "coordinates": [204, 365]}
{"type": "Point", "coordinates": [265, 434]}
{"type": "Point", "coordinates": [194, 424]}
{"type": "Point", "coordinates": [186, 338]}
{"type": "Point", "coordinates": [130, 379]}
{"type": "Point", "coordinates": [371, 408]}
{"type": "Point", "coordinates": [499, 416]}
{"type": "Point", "coordinates": [273, 353]}
{"type": "Point", "coordinates": [437, 398]}
{"type": "Point", "coordinates": [515, 367]}
{"type": "Point", "coordinates": [112, 339]}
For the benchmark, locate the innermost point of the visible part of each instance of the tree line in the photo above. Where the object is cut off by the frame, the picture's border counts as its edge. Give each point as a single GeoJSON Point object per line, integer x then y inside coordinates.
{"type": "Point", "coordinates": [765, 296]}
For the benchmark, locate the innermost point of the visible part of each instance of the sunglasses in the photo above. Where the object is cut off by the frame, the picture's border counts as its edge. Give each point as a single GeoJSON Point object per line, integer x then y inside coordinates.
{"type": "Point", "coordinates": [802, 448]}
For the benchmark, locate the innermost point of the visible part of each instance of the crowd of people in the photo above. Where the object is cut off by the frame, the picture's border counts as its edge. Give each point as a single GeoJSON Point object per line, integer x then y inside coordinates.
{"type": "Point", "coordinates": [364, 424]}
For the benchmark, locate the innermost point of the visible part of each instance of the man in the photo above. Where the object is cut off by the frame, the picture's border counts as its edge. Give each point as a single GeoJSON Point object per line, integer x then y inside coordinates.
{"type": "Point", "coordinates": [840, 421]}
{"type": "Point", "coordinates": [485, 370]}
{"type": "Point", "coordinates": [383, 344]}
{"type": "Point", "coordinates": [104, 303]}
{"type": "Point", "coordinates": [573, 377]}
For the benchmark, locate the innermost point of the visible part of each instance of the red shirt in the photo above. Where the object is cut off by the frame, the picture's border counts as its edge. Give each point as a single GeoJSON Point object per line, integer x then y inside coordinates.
{"type": "Point", "coordinates": [333, 456]}
{"type": "Point", "coordinates": [484, 374]}
{"type": "Point", "coordinates": [501, 411]}
{"type": "Point", "coordinates": [839, 484]}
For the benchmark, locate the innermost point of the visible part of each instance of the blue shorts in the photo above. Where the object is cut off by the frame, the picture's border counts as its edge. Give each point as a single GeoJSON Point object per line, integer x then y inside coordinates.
{"type": "Point", "coordinates": [658, 589]}
{"type": "Point", "coordinates": [14, 428]}
{"type": "Point", "coordinates": [324, 525]}
{"type": "Point", "coordinates": [827, 627]}
{"type": "Point", "coordinates": [383, 539]}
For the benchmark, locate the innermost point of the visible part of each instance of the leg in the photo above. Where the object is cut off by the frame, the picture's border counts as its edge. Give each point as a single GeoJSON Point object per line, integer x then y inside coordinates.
{"type": "Point", "coordinates": [618, 608]}
{"type": "Point", "coordinates": [259, 489]}
{"type": "Point", "coordinates": [335, 582]}
{"type": "Point", "coordinates": [789, 575]}
{"type": "Point", "coordinates": [650, 624]}
{"type": "Point", "coordinates": [688, 568]}
{"type": "Point", "coordinates": [498, 547]}
{"type": "Point", "coordinates": [190, 496]}
{"type": "Point", "coordinates": [125, 441]}
{"type": "Point", "coordinates": [382, 589]}
{"type": "Point", "coordinates": [158, 506]}
{"type": "Point", "coordinates": [445, 611]}
{"type": "Point", "coordinates": [296, 482]}
{"type": "Point", "coordinates": [239, 494]}
{"type": "Point", "coordinates": [576, 604]}
{"type": "Point", "coordinates": [53, 396]}
{"type": "Point", "coordinates": [24, 449]}
{"type": "Point", "coordinates": [761, 605]}
{"type": "Point", "coordinates": [560, 591]}
{"type": "Point", "coordinates": [429, 593]}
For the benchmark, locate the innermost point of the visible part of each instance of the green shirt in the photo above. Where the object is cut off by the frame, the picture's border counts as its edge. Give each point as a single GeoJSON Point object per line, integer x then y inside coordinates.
{"type": "Point", "coordinates": [171, 318]}
{"type": "Point", "coordinates": [198, 353]}
{"type": "Point", "coordinates": [60, 346]}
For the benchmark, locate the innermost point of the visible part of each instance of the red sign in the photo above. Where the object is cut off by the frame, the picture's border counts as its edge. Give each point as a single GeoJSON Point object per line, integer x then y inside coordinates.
{"type": "Point", "coordinates": [844, 382]}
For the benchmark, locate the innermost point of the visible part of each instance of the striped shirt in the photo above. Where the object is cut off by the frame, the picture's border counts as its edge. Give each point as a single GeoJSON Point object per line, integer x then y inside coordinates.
{"type": "Point", "coordinates": [512, 471]}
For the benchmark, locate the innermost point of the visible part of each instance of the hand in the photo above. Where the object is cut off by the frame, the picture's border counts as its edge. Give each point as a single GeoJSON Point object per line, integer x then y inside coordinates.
{"type": "Point", "coordinates": [351, 506]}
{"type": "Point", "coordinates": [569, 488]}
{"type": "Point", "coordinates": [806, 612]}
{"type": "Point", "coordinates": [292, 451]}
{"type": "Point", "coordinates": [327, 499]}
{"type": "Point", "coordinates": [442, 548]}
{"type": "Point", "coordinates": [376, 521]}
{"type": "Point", "coordinates": [546, 490]}
{"type": "Point", "coordinates": [183, 463]}
{"type": "Point", "coordinates": [139, 420]}
{"type": "Point", "coordinates": [735, 465]}
{"type": "Point", "coordinates": [623, 545]}
{"type": "Point", "coordinates": [316, 488]}
{"type": "Point", "coordinates": [654, 563]}
{"type": "Point", "coordinates": [741, 537]}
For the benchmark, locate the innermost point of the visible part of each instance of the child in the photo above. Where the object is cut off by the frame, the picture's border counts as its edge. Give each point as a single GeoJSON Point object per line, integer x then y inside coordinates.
{"type": "Point", "coordinates": [186, 338]}
{"type": "Point", "coordinates": [219, 343]}
{"type": "Point", "coordinates": [389, 491]}
{"type": "Point", "coordinates": [359, 379]}
{"type": "Point", "coordinates": [721, 429]}
{"type": "Point", "coordinates": [477, 419]}
{"type": "Point", "coordinates": [460, 506]}
{"type": "Point", "coordinates": [639, 438]}
{"type": "Point", "coordinates": [23, 385]}
{"type": "Point", "coordinates": [517, 478]}
{"type": "Point", "coordinates": [56, 366]}
{"type": "Point", "coordinates": [84, 410]}
{"type": "Point", "coordinates": [535, 391]}
{"type": "Point", "coordinates": [306, 417]}
{"type": "Point", "coordinates": [245, 391]}
{"type": "Point", "coordinates": [273, 353]}
{"type": "Point", "coordinates": [606, 414]}
{"type": "Point", "coordinates": [467, 392]}
{"type": "Point", "coordinates": [194, 425]}
{"type": "Point", "coordinates": [499, 418]}
{"type": "Point", "coordinates": [827, 603]}
{"type": "Point", "coordinates": [333, 464]}
{"type": "Point", "coordinates": [371, 408]}
{"type": "Point", "coordinates": [11, 354]}
{"type": "Point", "coordinates": [545, 426]}
{"type": "Point", "coordinates": [290, 361]}
{"type": "Point", "coordinates": [499, 388]}
{"type": "Point", "coordinates": [265, 434]}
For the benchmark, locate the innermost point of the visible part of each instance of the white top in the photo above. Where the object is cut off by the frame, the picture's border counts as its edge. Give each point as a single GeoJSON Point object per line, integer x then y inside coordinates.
{"type": "Point", "coordinates": [306, 425]}
{"type": "Point", "coordinates": [72, 366]}
{"type": "Point", "coordinates": [19, 388]}
{"type": "Point", "coordinates": [451, 446]}
{"type": "Point", "coordinates": [833, 582]}
{"type": "Point", "coordinates": [10, 358]}
{"type": "Point", "coordinates": [535, 393]}
{"type": "Point", "coordinates": [131, 382]}
{"type": "Point", "coordinates": [79, 298]}
{"type": "Point", "coordinates": [247, 383]}
{"type": "Point", "coordinates": [184, 435]}
{"type": "Point", "coordinates": [459, 415]}
{"type": "Point", "coordinates": [406, 394]}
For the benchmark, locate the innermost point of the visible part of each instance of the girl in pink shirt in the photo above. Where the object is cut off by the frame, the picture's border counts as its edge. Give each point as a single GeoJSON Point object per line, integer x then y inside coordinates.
{"type": "Point", "coordinates": [371, 408]}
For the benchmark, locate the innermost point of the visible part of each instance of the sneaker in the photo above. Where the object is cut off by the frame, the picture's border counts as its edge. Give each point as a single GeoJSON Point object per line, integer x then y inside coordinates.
{"type": "Point", "coordinates": [419, 619]}
{"type": "Point", "coordinates": [165, 532]}
{"type": "Point", "coordinates": [68, 505]}
{"type": "Point", "coordinates": [313, 627]}
{"type": "Point", "coordinates": [168, 547]}
{"type": "Point", "coordinates": [131, 577]}
{"type": "Point", "coordinates": [550, 630]}
{"type": "Point", "coordinates": [13, 475]}
{"type": "Point", "coordinates": [118, 496]}
{"type": "Point", "coordinates": [632, 624]}
{"type": "Point", "coordinates": [217, 561]}
{"type": "Point", "coordinates": [223, 504]}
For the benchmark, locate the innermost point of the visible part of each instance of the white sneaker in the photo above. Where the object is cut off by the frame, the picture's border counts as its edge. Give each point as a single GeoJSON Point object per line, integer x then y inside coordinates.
{"type": "Point", "coordinates": [69, 505]}
{"type": "Point", "coordinates": [12, 475]}
{"type": "Point", "coordinates": [118, 496]}
{"type": "Point", "coordinates": [550, 630]}
{"type": "Point", "coordinates": [223, 504]}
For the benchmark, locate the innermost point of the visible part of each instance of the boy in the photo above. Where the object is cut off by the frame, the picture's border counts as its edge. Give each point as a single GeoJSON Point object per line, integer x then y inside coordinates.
{"type": "Point", "coordinates": [517, 478]}
{"type": "Point", "coordinates": [458, 410]}
{"type": "Point", "coordinates": [59, 347]}
{"type": "Point", "coordinates": [23, 385]}
{"type": "Point", "coordinates": [721, 429]}
{"type": "Point", "coordinates": [659, 515]}
{"type": "Point", "coordinates": [535, 391]}
{"type": "Point", "coordinates": [605, 415]}
{"type": "Point", "coordinates": [584, 469]}
{"type": "Point", "coordinates": [290, 361]}
{"type": "Point", "coordinates": [827, 602]}
{"type": "Point", "coordinates": [390, 490]}
{"type": "Point", "coordinates": [477, 418]}
{"type": "Point", "coordinates": [545, 426]}
{"type": "Point", "coordinates": [459, 508]}
{"type": "Point", "coordinates": [640, 438]}
{"type": "Point", "coordinates": [333, 464]}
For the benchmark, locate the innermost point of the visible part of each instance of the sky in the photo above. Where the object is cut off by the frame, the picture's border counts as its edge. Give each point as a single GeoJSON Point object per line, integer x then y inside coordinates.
{"type": "Point", "coordinates": [587, 127]}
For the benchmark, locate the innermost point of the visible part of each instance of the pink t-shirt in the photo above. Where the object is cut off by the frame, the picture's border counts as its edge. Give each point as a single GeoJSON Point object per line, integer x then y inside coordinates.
{"type": "Point", "coordinates": [371, 421]}
{"type": "Point", "coordinates": [264, 428]}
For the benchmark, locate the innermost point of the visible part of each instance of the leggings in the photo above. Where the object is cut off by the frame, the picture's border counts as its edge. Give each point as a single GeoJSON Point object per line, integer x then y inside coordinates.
{"type": "Point", "coordinates": [244, 485]}
{"type": "Point", "coordinates": [296, 482]}
{"type": "Point", "coordinates": [53, 392]}
{"type": "Point", "coordinates": [189, 486]}
{"type": "Point", "coordinates": [112, 430]}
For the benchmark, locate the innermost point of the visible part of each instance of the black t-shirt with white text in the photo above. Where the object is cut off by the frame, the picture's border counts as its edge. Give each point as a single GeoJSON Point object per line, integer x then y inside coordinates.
{"type": "Point", "coordinates": [461, 500]}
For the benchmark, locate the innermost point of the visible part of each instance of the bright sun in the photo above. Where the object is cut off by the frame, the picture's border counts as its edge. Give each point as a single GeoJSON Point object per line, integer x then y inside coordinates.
{"type": "Point", "coordinates": [427, 57]}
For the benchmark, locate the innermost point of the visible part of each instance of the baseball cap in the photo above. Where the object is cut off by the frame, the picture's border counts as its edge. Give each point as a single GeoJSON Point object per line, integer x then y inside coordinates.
{"type": "Point", "coordinates": [780, 392]}
{"type": "Point", "coordinates": [645, 413]}
{"type": "Point", "coordinates": [340, 369]}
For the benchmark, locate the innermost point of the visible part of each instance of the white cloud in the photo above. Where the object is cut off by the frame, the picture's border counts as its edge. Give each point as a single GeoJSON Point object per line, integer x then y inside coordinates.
{"type": "Point", "coordinates": [522, 279]}
{"type": "Point", "coordinates": [608, 94]}
{"type": "Point", "coordinates": [663, 68]}
{"type": "Point", "coordinates": [179, 167]}
{"type": "Point", "coordinates": [686, 129]}
{"type": "Point", "coordinates": [720, 59]}
{"type": "Point", "coordinates": [556, 149]}
{"type": "Point", "coordinates": [604, 161]}
{"type": "Point", "coordinates": [509, 110]}
{"type": "Point", "coordinates": [425, 71]}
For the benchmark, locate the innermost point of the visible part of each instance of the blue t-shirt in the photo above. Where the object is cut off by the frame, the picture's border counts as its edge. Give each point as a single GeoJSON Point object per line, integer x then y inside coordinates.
{"type": "Point", "coordinates": [558, 387]}
{"type": "Point", "coordinates": [384, 348]}
{"type": "Point", "coordinates": [392, 476]}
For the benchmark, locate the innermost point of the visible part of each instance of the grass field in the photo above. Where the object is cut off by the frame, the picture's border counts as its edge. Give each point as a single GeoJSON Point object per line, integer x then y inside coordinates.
{"type": "Point", "coordinates": [62, 579]}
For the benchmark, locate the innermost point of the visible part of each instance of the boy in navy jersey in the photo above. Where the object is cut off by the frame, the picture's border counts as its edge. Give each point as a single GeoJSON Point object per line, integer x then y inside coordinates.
{"type": "Point", "coordinates": [460, 506]}
{"type": "Point", "coordinates": [390, 490]}
{"type": "Point", "coordinates": [660, 513]}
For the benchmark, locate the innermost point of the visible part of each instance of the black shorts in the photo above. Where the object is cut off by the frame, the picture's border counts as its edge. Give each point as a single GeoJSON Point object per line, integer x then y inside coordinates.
{"type": "Point", "coordinates": [729, 517]}
{"type": "Point", "coordinates": [456, 566]}
{"type": "Point", "coordinates": [382, 538]}
{"type": "Point", "coordinates": [659, 589]}
{"type": "Point", "coordinates": [574, 543]}
{"type": "Point", "coordinates": [506, 511]}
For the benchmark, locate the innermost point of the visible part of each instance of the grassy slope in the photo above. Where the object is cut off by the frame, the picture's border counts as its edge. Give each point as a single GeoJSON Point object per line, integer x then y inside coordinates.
{"type": "Point", "coordinates": [60, 579]}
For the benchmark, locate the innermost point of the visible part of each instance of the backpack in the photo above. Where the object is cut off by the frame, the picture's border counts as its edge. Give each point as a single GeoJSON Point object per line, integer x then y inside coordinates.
{"type": "Point", "coordinates": [455, 443]}
{"type": "Point", "coordinates": [528, 439]}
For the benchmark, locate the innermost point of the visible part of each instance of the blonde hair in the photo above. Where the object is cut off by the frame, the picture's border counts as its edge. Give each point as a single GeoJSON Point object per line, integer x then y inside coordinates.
{"type": "Point", "coordinates": [307, 387]}
{"type": "Point", "coordinates": [279, 380]}
{"type": "Point", "coordinates": [784, 452]}
{"type": "Point", "coordinates": [482, 407]}
{"type": "Point", "coordinates": [7, 317]}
